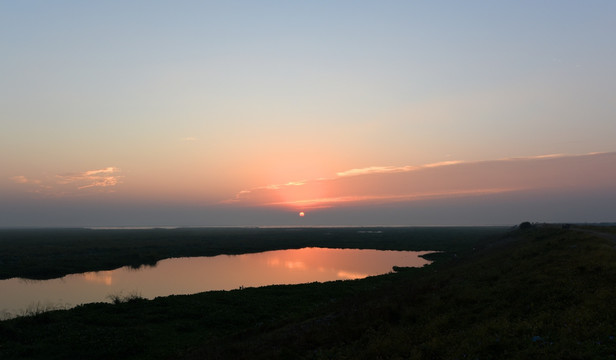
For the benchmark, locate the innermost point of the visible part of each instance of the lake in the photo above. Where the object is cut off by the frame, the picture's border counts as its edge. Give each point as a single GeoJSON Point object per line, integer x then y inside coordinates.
{"type": "Point", "coordinates": [197, 274]}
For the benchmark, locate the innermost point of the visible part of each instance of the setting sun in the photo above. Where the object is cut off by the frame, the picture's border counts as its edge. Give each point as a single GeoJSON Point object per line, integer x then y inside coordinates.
{"type": "Point", "coordinates": [301, 214]}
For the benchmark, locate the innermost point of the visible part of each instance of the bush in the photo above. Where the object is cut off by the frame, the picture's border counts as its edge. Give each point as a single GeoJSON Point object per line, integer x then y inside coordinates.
{"type": "Point", "coordinates": [525, 225]}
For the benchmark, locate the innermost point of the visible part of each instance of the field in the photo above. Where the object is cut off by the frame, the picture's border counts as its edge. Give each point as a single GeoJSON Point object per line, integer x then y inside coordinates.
{"type": "Point", "coordinates": [541, 292]}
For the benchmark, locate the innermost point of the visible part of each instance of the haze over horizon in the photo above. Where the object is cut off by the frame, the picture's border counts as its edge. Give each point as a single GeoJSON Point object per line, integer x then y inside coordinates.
{"type": "Point", "coordinates": [247, 113]}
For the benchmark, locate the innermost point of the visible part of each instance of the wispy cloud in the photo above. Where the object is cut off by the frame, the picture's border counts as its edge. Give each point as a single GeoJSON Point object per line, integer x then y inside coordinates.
{"type": "Point", "coordinates": [442, 163]}
{"type": "Point", "coordinates": [100, 178]}
{"type": "Point", "coordinates": [20, 179]}
{"type": "Point", "coordinates": [279, 186]}
{"type": "Point", "coordinates": [243, 194]}
{"type": "Point", "coordinates": [104, 179]}
{"type": "Point", "coordinates": [375, 170]}
{"type": "Point", "coordinates": [383, 184]}
{"type": "Point", "coordinates": [331, 201]}
{"type": "Point", "coordinates": [392, 169]}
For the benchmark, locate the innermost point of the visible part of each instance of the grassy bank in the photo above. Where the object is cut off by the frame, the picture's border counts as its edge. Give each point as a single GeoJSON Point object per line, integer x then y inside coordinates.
{"type": "Point", "coordinates": [541, 293]}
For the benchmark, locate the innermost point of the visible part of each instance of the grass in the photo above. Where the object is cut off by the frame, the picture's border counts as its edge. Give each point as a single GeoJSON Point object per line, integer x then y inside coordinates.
{"type": "Point", "coordinates": [119, 298]}
{"type": "Point", "coordinates": [545, 292]}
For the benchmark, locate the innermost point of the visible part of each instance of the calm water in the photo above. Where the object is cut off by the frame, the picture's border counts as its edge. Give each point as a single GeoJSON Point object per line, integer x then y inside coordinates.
{"type": "Point", "coordinates": [198, 274]}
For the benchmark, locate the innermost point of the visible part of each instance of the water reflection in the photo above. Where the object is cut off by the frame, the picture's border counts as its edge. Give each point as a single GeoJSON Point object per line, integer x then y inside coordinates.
{"type": "Point", "coordinates": [197, 274]}
{"type": "Point", "coordinates": [102, 277]}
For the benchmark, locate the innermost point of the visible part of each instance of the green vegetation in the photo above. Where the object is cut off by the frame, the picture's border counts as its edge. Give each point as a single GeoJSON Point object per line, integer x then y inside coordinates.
{"type": "Point", "coordinates": [541, 292]}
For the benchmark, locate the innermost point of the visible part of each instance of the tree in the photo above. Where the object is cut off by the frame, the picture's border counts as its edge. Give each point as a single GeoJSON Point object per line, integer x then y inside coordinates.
{"type": "Point", "coordinates": [525, 225]}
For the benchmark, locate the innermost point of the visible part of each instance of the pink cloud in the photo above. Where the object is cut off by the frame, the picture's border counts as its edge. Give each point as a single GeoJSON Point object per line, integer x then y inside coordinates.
{"type": "Point", "coordinates": [20, 179]}
{"type": "Point", "coordinates": [392, 169]}
{"type": "Point", "coordinates": [382, 184]}
{"type": "Point", "coordinates": [376, 170]}
{"type": "Point", "coordinates": [331, 201]}
{"type": "Point", "coordinates": [100, 178]}
{"type": "Point", "coordinates": [66, 183]}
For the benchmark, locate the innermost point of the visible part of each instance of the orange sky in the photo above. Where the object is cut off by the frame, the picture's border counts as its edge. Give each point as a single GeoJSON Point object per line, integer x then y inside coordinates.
{"type": "Point", "coordinates": [440, 180]}
{"type": "Point", "coordinates": [351, 197]}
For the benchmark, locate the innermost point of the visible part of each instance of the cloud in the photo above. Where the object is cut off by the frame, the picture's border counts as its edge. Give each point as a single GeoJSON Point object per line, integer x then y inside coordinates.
{"type": "Point", "coordinates": [442, 163]}
{"type": "Point", "coordinates": [375, 170]}
{"type": "Point", "coordinates": [20, 179]}
{"type": "Point", "coordinates": [331, 201]}
{"type": "Point", "coordinates": [392, 169]}
{"type": "Point", "coordinates": [100, 178]}
{"type": "Point", "coordinates": [189, 138]}
{"type": "Point", "coordinates": [63, 184]}
{"type": "Point", "coordinates": [386, 184]}
{"type": "Point", "coordinates": [242, 194]}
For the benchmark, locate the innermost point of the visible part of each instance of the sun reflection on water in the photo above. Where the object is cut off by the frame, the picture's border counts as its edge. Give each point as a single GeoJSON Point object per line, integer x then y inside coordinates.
{"type": "Point", "coordinates": [101, 277]}
{"type": "Point", "coordinates": [197, 274]}
{"type": "Point", "coordinates": [350, 275]}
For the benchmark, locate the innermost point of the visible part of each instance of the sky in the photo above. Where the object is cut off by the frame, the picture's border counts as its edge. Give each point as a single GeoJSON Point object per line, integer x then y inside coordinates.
{"type": "Point", "coordinates": [245, 113]}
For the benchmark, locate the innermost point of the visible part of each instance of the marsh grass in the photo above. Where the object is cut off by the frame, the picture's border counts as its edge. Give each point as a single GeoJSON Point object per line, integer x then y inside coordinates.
{"type": "Point", "coordinates": [34, 310]}
{"type": "Point", "coordinates": [120, 298]}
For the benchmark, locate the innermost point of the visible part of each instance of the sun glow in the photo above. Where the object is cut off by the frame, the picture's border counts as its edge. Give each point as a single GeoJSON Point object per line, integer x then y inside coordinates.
{"type": "Point", "coordinates": [444, 180]}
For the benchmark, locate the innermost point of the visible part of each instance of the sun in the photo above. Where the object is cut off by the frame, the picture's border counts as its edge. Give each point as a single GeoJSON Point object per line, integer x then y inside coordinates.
{"type": "Point", "coordinates": [301, 214]}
